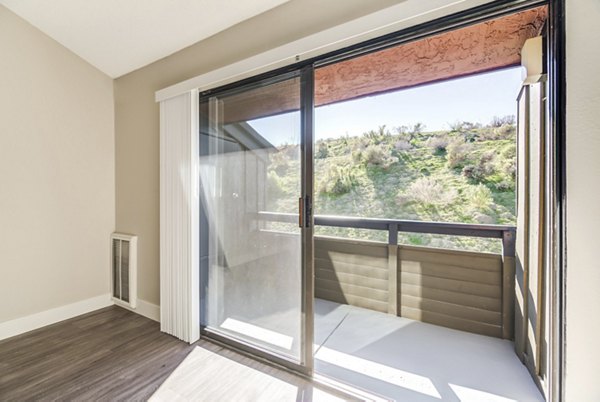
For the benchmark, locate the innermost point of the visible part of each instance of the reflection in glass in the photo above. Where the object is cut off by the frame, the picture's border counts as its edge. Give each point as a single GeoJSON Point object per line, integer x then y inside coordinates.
{"type": "Point", "coordinates": [251, 263]}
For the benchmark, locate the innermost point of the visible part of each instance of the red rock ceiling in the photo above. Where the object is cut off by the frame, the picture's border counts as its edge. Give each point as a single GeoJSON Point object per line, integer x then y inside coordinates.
{"type": "Point", "coordinates": [478, 48]}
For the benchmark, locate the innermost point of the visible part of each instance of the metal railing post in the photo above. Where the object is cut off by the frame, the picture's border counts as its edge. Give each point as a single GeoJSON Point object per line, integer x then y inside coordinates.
{"type": "Point", "coordinates": [508, 283]}
{"type": "Point", "coordinates": [393, 269]}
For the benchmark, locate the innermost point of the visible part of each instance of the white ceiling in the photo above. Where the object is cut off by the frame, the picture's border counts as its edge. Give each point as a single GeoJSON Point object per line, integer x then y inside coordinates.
{"type": "Point", "coordinates": [119, 36]}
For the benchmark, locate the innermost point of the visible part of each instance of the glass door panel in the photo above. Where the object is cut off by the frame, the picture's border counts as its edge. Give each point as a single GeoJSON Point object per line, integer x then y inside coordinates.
{"type": "Point", "coordinates": [251, 241]}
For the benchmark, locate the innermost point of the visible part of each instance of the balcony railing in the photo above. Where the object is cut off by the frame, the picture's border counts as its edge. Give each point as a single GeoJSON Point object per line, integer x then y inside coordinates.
{"type": "Point", "coordinates": [465, 290]}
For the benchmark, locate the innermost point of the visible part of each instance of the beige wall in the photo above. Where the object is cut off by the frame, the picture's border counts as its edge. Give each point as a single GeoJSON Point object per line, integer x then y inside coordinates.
{"type": "Point", "coordinates": [56, 173]}
{"type": "Point", "coordinates": [583, 200]}
{"type": "Point", "coordinates": [136, 113]}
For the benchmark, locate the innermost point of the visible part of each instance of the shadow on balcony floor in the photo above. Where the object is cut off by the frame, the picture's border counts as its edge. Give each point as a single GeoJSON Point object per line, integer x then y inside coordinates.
{"type": "Point", "coordinates": [408, 360]}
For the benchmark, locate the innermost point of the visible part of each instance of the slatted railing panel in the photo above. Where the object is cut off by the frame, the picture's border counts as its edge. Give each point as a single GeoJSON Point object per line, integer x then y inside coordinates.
{"type": "Point", "coordinates": [455, 289]}
{"type": "Point", "coordinates": [352, 272]}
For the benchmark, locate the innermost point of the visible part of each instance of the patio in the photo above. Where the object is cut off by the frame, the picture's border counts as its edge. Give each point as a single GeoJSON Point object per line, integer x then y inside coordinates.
{"type": "Point", "coordinates": [402, 359]}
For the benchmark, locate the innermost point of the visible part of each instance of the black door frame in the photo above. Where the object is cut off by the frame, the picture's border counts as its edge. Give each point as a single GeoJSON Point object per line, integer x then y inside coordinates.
{"type": "Point", "coordinates": [555, 49]}
{"type": "Point", "coordinates": [305, 365]}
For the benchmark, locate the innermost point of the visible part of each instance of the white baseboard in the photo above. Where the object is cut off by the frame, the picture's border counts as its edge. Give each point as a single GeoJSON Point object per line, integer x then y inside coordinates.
{"type": "Point", "coordinates": [146, 309]}
{"type": "Point", "coordinates": [41, 319]}
{"type": "Point", "coordinates": [34, 321]}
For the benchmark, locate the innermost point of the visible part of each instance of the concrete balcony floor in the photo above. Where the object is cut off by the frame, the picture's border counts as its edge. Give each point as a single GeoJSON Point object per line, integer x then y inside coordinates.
{"type": "Point", "coordinates": [406, 360]}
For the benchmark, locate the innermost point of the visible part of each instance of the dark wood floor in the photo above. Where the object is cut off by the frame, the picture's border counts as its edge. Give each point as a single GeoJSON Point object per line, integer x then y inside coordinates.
{"type": "Point", "coordinates": [110, 354]}
{"type": "Point", "coordinates": [116, 355]}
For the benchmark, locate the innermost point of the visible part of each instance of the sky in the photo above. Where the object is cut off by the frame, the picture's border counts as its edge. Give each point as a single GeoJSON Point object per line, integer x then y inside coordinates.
{"type": "Point", "coordinates": [475, 99]}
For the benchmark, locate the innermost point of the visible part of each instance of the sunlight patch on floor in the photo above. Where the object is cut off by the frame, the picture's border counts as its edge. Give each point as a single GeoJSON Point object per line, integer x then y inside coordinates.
{"type": "Point", "coordinates": [401, 378]}
{"type": "Point", "coordinates": [261, 334]}
{"type": "Point", "coordinates": [212, 373]}
{"type": "Point", "coordinates": [466, 394]}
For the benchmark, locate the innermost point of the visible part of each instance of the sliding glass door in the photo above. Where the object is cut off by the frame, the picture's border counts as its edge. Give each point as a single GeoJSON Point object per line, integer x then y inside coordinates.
{"type": "Point", "coordinates": [256, 231]}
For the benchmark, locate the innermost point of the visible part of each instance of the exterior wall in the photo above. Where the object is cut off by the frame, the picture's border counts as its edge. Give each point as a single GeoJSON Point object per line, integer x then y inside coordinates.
{"type": "Point", "coordinates": [57, 183]}
{"type": "Point", "coordinates": [583, 194]}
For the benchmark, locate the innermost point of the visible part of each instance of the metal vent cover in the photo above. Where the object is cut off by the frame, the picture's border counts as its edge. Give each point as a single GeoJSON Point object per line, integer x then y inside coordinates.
{"type": "Point", "coordinates": [124, 269]}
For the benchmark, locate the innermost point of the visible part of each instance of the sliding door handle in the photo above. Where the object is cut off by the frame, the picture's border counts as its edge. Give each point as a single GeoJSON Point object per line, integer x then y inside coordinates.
{"type": "Point", "coordinates": [304, 212]}
{"type": "Point", "coordinates": [301, 212]}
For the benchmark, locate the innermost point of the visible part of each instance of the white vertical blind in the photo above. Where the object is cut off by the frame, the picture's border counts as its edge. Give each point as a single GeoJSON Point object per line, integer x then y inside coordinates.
{"type": "Point", "coordinates": [179, 214]}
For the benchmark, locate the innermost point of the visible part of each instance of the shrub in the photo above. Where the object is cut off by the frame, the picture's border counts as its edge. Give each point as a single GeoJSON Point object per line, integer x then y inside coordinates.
{"type": "Point", "coordinates": [510, 169]}
{"type": "Point", "coordinates": [509, 152]}
{"type": "Point", "coordinates": [293, 152]}
{"type": "Point", "coordinates": [338, 180]}
{"type": "Point", "coordinates": [482, 169]}
{"type": "Point", "coordinates": [489, 134]}
{"type": "Point", "coordinates": [403, 145]}
{"type": "Point", "coordinates": [345, 139]}
{"type": "Point", "coordinates": [463, 126]}
{"type": "Point", "coordinates": [274, 185]}
{"type": "Point", "coordinates": [509, 157]}
{"type": "Point", "coordinates": [403, 133]}
{"type": "Point", "coordinates": [417, 129]}
{"type": "Point", "coordinates": [361, 143]}
{"type": "Point", "coordinates": [505, 185]}
{"type": "Point", "coordinates": [457, 152]}
{"type": "Point", "coordinates": [383, 132]}
{"type": "Point", "coordinates": [470, 172]}
{"type": "Point", "coordinates": [455, 126]}
{"type": "Point", "coordinates": [372, 136]}
{"type": "Point", "coordinates": [438, 143]}
{"type": "Point", "coordinates": [487, 163]}
{"type": "Point", "coordinates": [429, 191]}
{"type": "Point", "coordinates": [479, 196]}
{"type": "Point", "coordinates": [483, 218]}
{"type": "Point", "coordinates": [477, 173]}
{"type": "Point", "coordinates": [322, 150]}
{"type": "Point", "coordinates": [498, 121]}
{"type": "Point", "coordinates": [279, 162]}
{"type": "Point", "coordinates": [376, 155]}
{"type": "Point", "coordinates": [471, 136]}
{"type": "Point", "coordinates": [506, 132]}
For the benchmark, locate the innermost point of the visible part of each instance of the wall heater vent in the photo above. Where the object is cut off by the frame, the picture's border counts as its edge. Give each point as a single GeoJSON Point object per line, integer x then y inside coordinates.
{"type": "Point", "coordinates": [124, 269]}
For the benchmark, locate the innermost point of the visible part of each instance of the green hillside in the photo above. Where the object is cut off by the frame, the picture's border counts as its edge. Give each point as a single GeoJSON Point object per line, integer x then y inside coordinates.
{"type": "Point", "coordinates": [466, 174]}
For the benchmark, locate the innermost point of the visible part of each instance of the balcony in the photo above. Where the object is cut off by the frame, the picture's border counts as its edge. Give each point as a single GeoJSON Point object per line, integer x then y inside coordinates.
{"type": "Point", "coordinates": [417, 323]}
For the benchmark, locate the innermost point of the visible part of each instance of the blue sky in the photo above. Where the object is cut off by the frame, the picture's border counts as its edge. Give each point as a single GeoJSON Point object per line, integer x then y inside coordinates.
{"type": "Point", "coordinates": [474, 99]}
